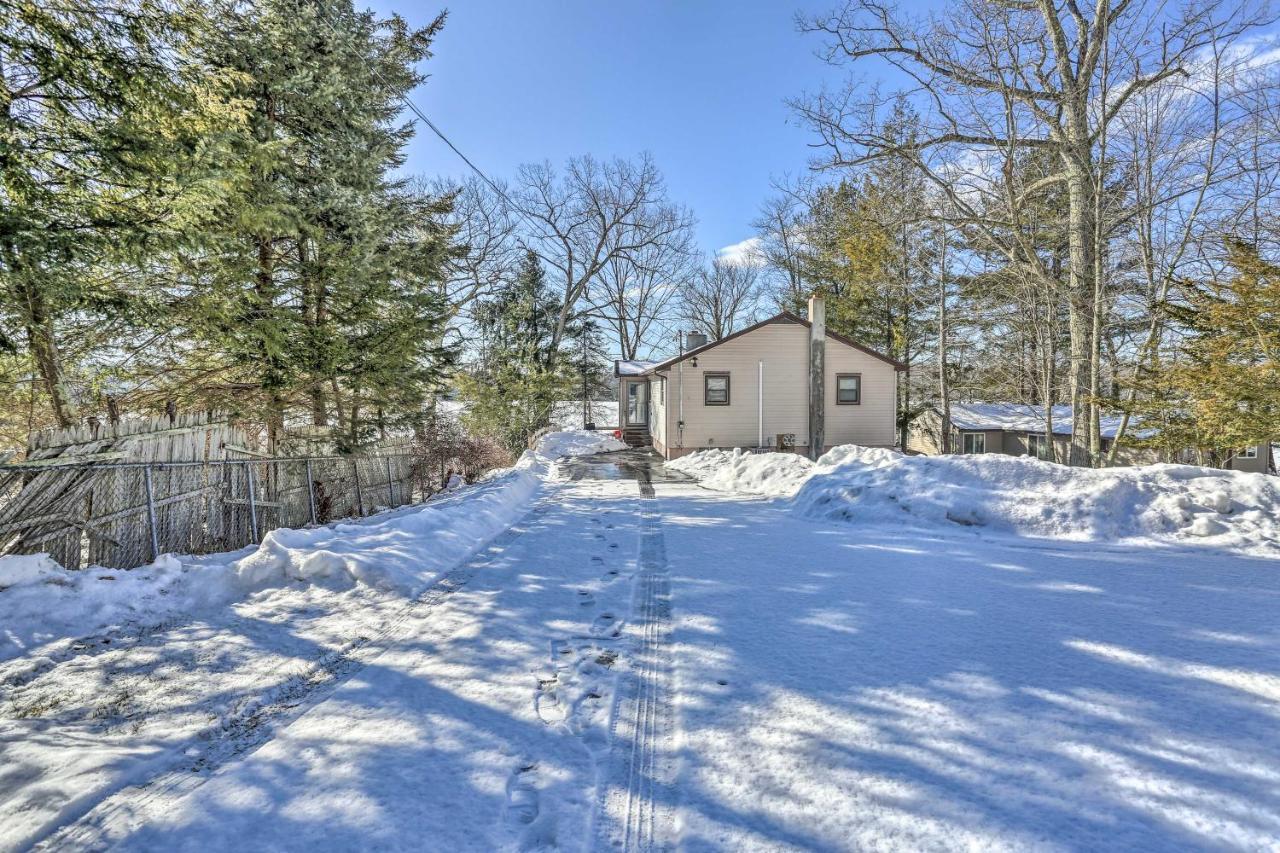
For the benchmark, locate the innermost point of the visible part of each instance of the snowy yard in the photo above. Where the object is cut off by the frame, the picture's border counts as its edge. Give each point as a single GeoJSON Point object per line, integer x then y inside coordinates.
{"type": "Point", "coordinates": [783, 657]}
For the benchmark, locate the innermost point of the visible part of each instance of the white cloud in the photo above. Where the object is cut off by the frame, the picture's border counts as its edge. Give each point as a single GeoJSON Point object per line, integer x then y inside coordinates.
{"type": "Point", "coordinates": [744, 253]}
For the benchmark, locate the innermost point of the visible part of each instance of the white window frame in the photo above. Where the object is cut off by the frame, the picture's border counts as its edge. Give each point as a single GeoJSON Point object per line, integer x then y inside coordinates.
{"type": "Point", "coordinates": [1250, 452]}
{"type": "Point", "coordinates": [973, 442]}
{"type": "Point", "coordinates": [1044, 445]}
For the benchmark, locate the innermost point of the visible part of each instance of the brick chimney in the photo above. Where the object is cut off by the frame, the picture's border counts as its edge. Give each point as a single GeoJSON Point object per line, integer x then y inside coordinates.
{"type": "Point", "coordinates": [817, 370]}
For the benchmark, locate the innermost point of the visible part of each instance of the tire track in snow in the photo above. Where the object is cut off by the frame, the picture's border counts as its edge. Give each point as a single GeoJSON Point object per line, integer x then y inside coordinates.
{"type": "Point", "coordinates": [635, 808]}
{"type": "Point", "coordinates": [102, 824]}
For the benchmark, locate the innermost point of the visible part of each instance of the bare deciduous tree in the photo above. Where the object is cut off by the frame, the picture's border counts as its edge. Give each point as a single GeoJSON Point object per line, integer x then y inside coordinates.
{"type": "Point", "coordinates": [592, 213]}
{"type": "Point", "coordinates": [636, 290]}
{"type": "Point", "coordinates": [486, 235]}
{"type": "Point", "coordinates": [722, 298]}
{"type": "Point", "coordinates": [999, 81]}
{"type": "Point", "coordinates": [780, 228]}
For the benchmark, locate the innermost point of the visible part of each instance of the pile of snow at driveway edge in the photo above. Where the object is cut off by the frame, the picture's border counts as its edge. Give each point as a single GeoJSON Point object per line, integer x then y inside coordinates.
{"type": "Point", "coordinates": [402, 550]}
{"type": "Point", "coordinates": [415, 545]}
{"type": "Point", "coordinates": [1165, 504]}
{"type": "Point", "coordinates": [774, 474]}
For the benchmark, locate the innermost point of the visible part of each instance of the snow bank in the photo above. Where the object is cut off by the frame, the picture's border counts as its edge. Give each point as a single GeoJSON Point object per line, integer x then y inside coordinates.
{"type": "Point", "coordinates": [1166, 504]}
{"type": "Point", "coordinates": [577, 442]}
{"type": "Point", "coordinates": [775, 474]}
{"type": "Point", "coordinates": [1021, 495]}
{"type": "Point", "coordinates": [402, 551]}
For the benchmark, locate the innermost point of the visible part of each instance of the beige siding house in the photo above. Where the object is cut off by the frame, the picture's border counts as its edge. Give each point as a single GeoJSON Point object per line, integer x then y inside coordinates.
{"type": "Point", "coordinates": [1018, 429]}
{"type": "Point", "coordinates": [756, 389]}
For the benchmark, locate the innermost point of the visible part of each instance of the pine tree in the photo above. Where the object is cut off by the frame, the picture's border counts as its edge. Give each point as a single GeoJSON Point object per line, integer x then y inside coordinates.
{"type": "Point", "coordinates": [1222, 391]}
{"type": "Point", "coordinates": [105, 149]}
{"type": "Point", "coordinates": [318, 291]}
{"type": "Point", "coordinates": [588, 359]}
{"type": "Point", "coordinates": [521, 373]}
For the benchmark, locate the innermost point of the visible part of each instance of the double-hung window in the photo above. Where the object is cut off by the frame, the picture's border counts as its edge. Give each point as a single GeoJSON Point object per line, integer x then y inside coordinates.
{"type": "Point", "coordinates": [848, 389]}
{"type": "Point", "coordinates": [715, 389]}
{"type": "Point", "coordinates": [1037, 445]}
{"type": "Point", "coordinates": [974, 442]}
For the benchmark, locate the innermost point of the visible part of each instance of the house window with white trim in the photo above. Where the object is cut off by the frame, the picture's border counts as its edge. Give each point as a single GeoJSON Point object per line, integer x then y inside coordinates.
{"type": "Point", "coordinates": [974, 442]}
{"type": "Point", "coordinates": [1250, 452]}
{"type": "Point", "coordinates": [1037, 445]}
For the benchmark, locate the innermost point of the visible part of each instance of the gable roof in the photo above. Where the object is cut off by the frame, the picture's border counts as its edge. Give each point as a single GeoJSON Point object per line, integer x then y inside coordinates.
{"type": "Point", "coordinates": [784, 317]}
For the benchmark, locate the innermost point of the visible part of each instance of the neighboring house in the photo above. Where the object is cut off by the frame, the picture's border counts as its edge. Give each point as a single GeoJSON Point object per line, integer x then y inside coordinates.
{"type": "Point", "coordinates": [759, 385]}
{"type": "Point", "coordinates": [1018, 429]}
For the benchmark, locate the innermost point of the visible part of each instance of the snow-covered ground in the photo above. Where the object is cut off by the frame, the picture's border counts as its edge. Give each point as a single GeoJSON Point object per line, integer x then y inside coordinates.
{"type": "Point", "coordinates": [701, 669]}
{"type": "Point", "coordinates": [565, 415]}
{"type": "Point", "coordinates": [993, 493]}
{"type": "Point", "coordinates": [847, 687]}
{"type": "Point", "coordinates": [110, 673]}
{"type": "Point", "coordinates": [568, 414]}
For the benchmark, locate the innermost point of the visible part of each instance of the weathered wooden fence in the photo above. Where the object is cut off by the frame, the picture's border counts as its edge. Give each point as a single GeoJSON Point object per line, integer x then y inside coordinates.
{"type": "Point", "coordinates": [124, 514]}
{"type": "Point", "coordinates": [120, 494]}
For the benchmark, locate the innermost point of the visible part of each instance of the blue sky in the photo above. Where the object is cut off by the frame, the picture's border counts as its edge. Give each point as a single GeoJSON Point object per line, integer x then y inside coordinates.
{"type": "Point", "coordinates": [699, 84]}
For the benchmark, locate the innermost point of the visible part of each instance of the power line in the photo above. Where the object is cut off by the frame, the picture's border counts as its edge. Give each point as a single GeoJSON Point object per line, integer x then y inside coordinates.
{"type": "Point", "coordinates": [404, 98]}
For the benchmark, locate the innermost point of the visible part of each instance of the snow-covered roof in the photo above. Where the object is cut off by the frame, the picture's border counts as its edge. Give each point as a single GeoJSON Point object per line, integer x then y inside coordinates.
{"type": "Point", "coordinates": [1014, 417]}
{"type": "Point", "coordinates": [1022, 417]}
{"type": "Point", "coordinates": [631, 367]}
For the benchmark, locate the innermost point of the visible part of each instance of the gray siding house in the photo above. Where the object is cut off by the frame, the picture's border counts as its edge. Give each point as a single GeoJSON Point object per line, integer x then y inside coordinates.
{"type": "Point", "coordinates": [784, 384]}
{"type": "Point", "coordinates": [1018, 429]}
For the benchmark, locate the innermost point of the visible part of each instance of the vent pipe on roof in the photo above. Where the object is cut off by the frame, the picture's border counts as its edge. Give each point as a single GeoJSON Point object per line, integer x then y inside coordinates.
{"type": "Point", "coordinates": [817, 370]}
{"type": "Point", "coordinates": [695, 339]}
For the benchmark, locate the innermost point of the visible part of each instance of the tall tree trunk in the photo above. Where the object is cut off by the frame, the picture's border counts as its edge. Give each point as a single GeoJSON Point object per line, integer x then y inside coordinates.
{"type": "Point", "coordinates": [44, 349]}
{"type": "Point", "coordinates": [313, 316]}
{"type": "Point", "coordinates": [38, 326]}
{"type": "Point", "coordinates": [944, 388]}
{"type": "Point", "coordinates": [272, 375]}
{"type": "Point", "coordinates": [1080, 295]}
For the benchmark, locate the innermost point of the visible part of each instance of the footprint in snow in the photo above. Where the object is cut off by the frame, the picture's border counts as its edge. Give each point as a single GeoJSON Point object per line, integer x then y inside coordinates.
{"type": "Point", "coordinates": [547, 704]}
{"type": "Point", "coordinates": [585, 598]}
{"type": "Point", "coordinates": [522, 796]}
{"type": "Point", "coordinates": [606, 625]}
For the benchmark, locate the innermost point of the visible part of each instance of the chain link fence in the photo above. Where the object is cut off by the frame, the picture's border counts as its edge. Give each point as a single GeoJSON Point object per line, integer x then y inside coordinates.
{"type": "Point", "coordinates": [125, 514]}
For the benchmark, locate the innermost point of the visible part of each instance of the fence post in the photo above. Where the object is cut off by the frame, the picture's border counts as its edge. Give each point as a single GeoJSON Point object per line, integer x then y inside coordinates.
{"type": "Point", "coordinates": [253, 506]}
{"type": "Point", "coordinates": [151, 513]}
{"type": "Point", "coordinates": [311, 492]}
{"type": "Point", "coordinates": [355, 474]}
{"type": "Point", "coordinates": [391, 491]}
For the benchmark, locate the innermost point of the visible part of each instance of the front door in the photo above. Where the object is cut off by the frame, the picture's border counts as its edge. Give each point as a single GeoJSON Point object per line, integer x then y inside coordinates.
{"type": "Point", "coordinates": [637, 403]}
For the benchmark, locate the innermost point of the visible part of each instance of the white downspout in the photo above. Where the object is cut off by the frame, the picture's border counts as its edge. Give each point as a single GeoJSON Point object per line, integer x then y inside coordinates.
{"type": "Point", "coordinates": [680, 383]}
{"type": "Point", "coordinates": [760, 408]}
